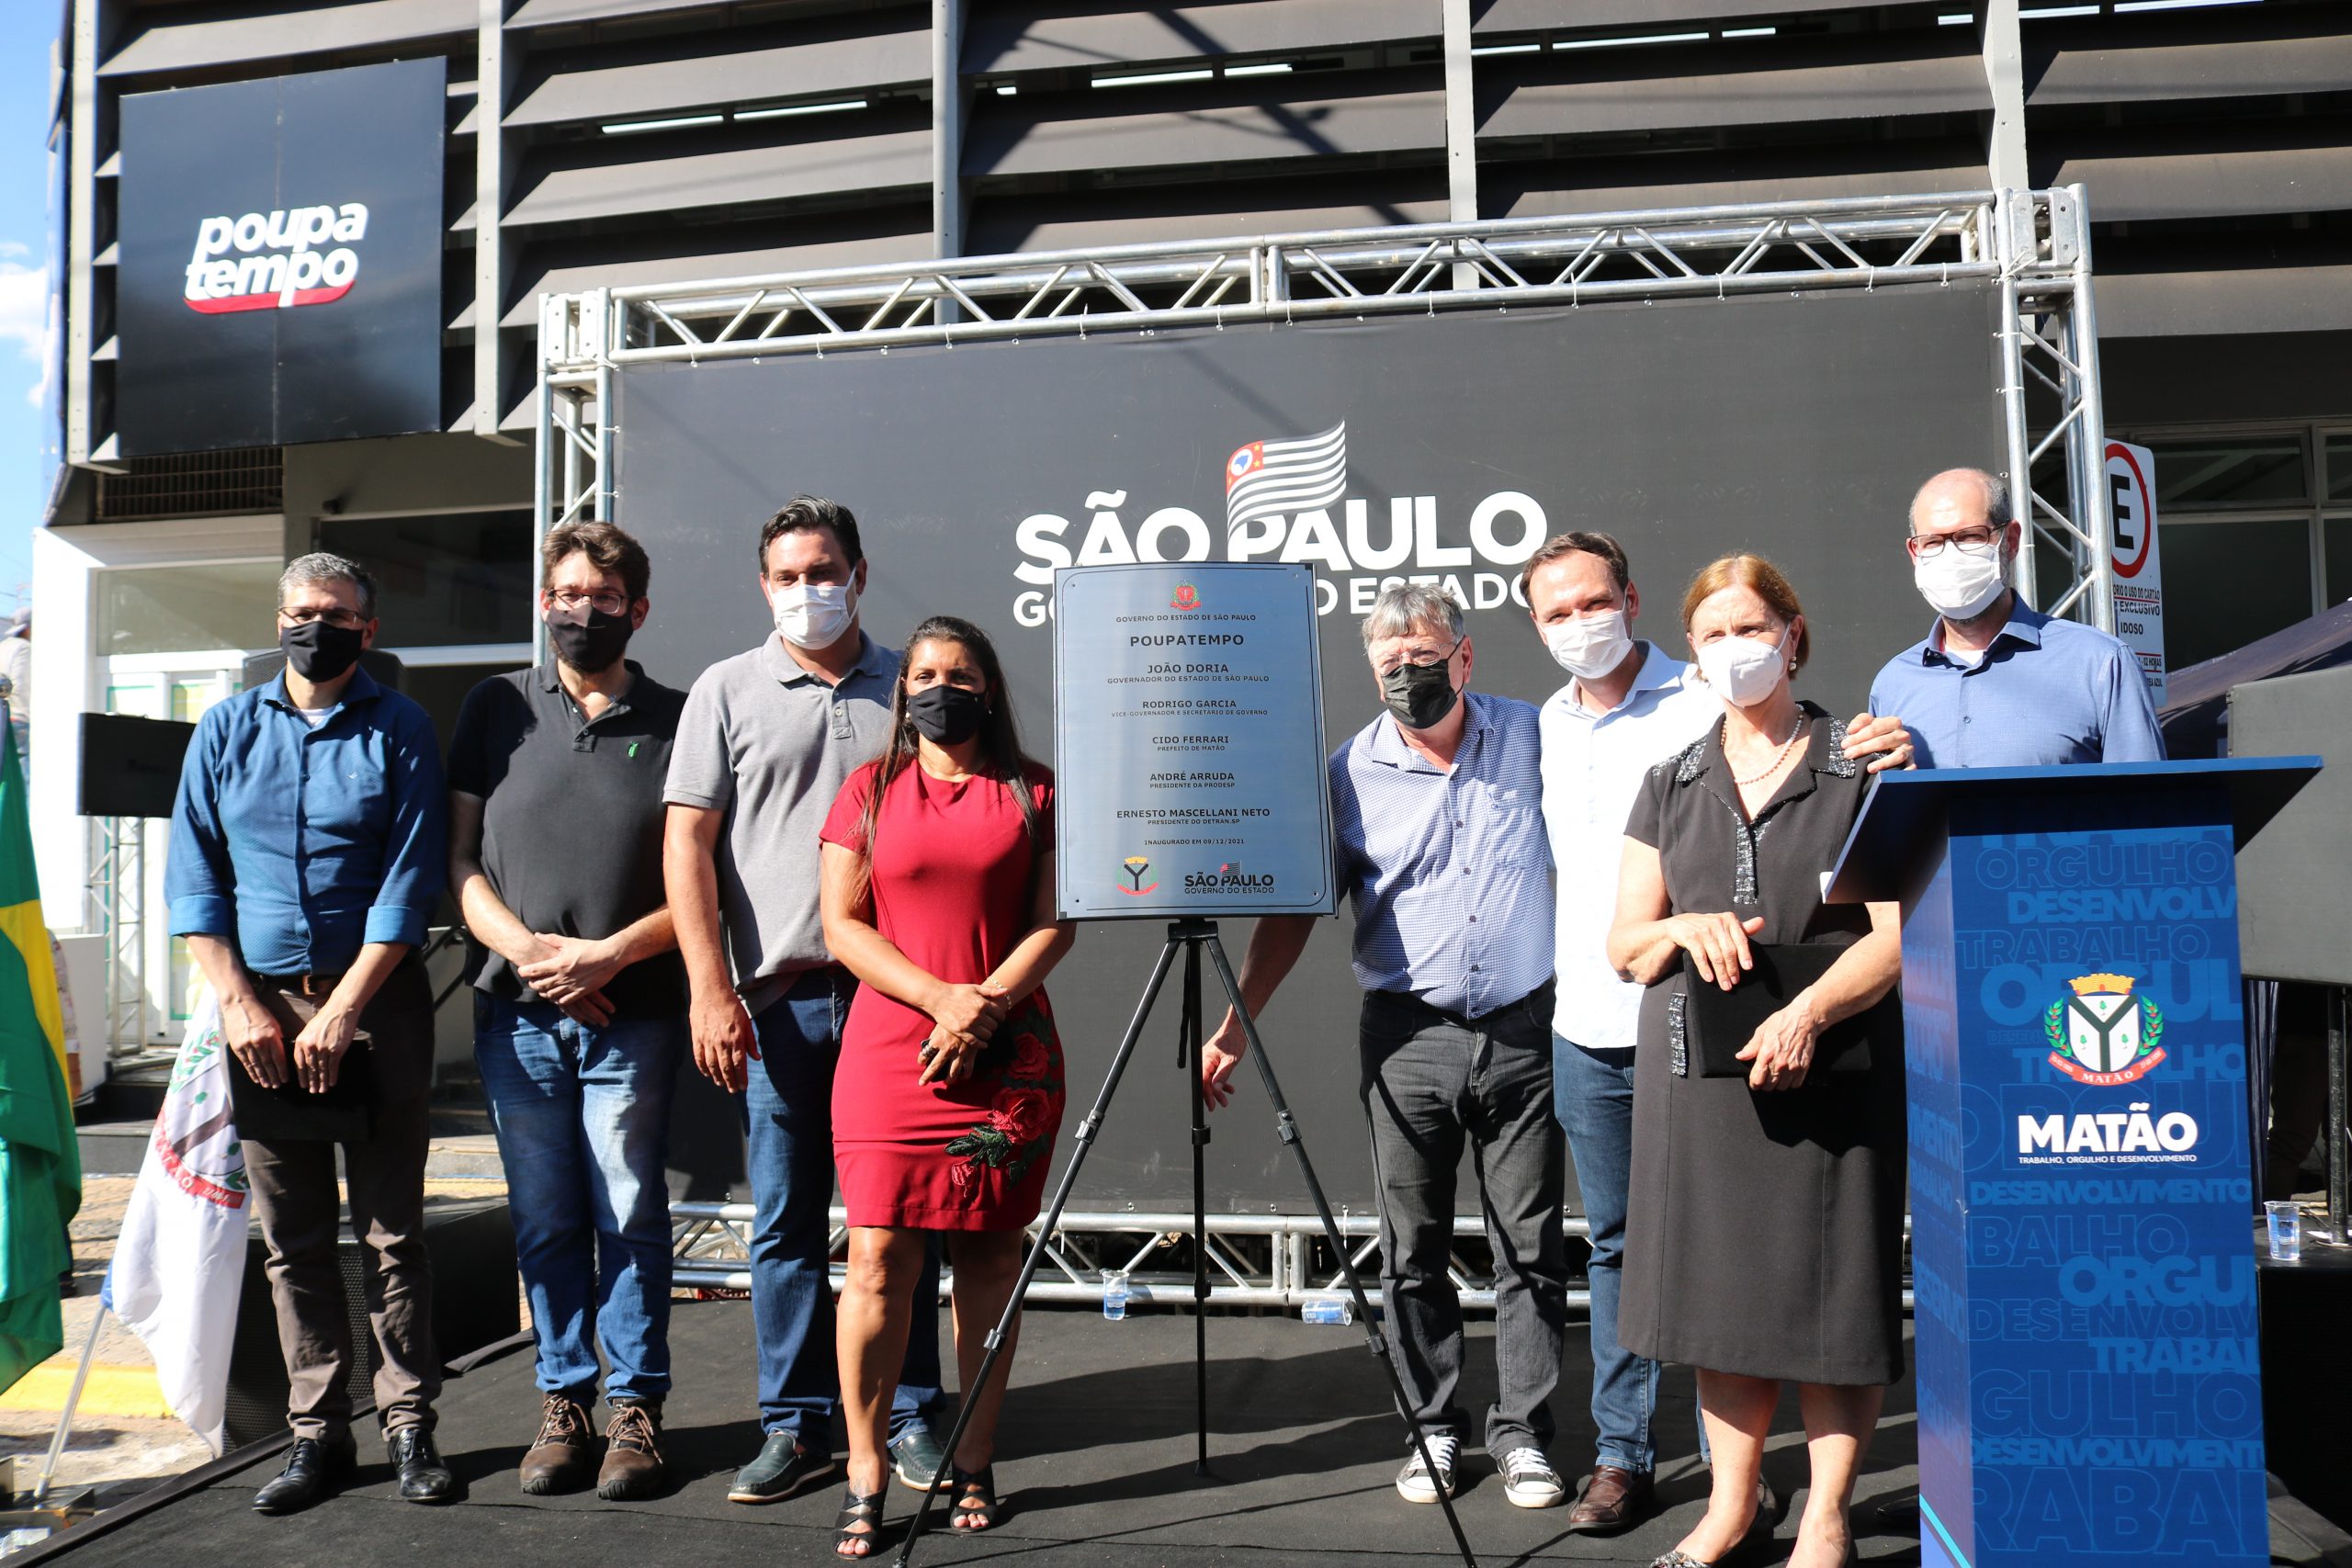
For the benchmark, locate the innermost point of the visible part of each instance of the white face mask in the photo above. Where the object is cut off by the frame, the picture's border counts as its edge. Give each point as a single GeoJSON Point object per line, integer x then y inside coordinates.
{"type": "Point", "coordinates": [813, 615]}
{"type": "Point", "coordinates": [1742, 669]}
{"type": "Point", "coordinates": [1957, 584]}
{"type": "Point", "coordinates": [1588, 646]}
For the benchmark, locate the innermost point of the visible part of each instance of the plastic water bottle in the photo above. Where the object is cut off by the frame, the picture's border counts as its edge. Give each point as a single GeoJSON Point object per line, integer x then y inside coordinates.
{"type": "Point", "coordinates": [1329, 1309]}
{"type": "Point", "coordinates": [1115, 1293]}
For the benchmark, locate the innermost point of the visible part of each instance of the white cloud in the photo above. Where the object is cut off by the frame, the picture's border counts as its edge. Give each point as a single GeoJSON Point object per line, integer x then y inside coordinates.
{"type": "Point", "coordinates": [23, 317]}
{"type": "Point", "coordinates": [10, 248]}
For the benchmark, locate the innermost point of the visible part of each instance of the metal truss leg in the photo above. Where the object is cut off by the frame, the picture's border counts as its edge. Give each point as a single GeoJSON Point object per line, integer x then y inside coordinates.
{"type": "Point", "coordinates": [1287, 1126]}
{"type": "Point", "coordinates": [1084, 1141]}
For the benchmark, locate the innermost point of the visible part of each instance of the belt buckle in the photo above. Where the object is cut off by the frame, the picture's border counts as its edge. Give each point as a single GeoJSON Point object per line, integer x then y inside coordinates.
{"type": "Point", "coordinates": [315, 985]}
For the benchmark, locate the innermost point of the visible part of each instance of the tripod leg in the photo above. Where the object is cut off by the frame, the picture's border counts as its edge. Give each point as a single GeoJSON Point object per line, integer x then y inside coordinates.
{"type": "Point", "coordinates": [1288, 1129]}
{"type": "Point", "coordinates": [1191, 1054]}
{"type": "Point", "coordinates": [1082, 1141]}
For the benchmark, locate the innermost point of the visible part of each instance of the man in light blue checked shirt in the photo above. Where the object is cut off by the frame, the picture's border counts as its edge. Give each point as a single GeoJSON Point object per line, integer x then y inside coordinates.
{"type": "Point", "coordinates": [1438, 811]}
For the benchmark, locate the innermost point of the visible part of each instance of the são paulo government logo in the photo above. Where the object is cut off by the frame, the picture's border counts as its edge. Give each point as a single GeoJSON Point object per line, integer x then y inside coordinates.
{"type": "Point", "coordinates": [1186, 597]}
{"type": "Point", "coordinates": [2103, 1034]}
{"type": "Point", "coordinates": [1134, 866]}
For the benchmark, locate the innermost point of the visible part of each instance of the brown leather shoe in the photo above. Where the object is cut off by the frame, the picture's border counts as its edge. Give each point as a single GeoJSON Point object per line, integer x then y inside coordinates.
{"type": "Point", "coordinates": [1614, 1500]}
{"type": "Point", "coordinates": [560, 1455]}
{"type": "Point", "coordinates": [632, 1467]}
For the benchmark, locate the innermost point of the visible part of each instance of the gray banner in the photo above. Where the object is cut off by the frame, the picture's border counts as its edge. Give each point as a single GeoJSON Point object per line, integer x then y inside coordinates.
{"type": "Point", "coordinates": [1795, 425]}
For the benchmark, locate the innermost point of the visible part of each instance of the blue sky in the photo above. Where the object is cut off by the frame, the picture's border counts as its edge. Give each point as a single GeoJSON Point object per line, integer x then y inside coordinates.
{"type": "Point", "coordinates": [27, 30]}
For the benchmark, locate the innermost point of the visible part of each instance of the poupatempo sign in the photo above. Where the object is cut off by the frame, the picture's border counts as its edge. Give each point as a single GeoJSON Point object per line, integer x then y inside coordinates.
{"type": "Point", "coordinates": [280, 269]}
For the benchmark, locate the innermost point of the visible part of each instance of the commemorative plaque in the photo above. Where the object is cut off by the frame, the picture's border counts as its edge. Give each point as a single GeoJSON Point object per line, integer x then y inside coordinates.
{"type": "Point", "coordinates": [1188, 742]}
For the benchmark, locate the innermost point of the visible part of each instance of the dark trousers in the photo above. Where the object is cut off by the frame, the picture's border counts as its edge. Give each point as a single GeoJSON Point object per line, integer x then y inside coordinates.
{"type": "Point", "coordinates": [1432, 1084]}
{"type": "Point", "coordinates": [294, 1197]}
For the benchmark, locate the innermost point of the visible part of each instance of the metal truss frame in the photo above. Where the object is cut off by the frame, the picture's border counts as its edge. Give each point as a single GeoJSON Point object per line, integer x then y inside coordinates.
{"type": "Point", "coordinates": [1265, 1260]}
{"type": "Point", "coordinates": [2034, 246]}
{"type": "Point", "coordinates": [117, 891]}
{"type": "Point", "coordinates": [1255, 1261]}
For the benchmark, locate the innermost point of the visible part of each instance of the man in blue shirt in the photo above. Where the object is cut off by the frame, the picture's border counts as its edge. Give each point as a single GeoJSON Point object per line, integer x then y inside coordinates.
{"type": "Point", "coordinates": [1437, 807]}
{"type": "Point", "coordinates": [1995, 683]}
{"type": "Point", "coordinates": [308, 846]}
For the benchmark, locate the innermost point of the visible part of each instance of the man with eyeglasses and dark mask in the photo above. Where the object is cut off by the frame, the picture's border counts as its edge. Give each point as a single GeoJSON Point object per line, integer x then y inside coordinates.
{"type": "Point", "coordinates": [1437, 811]}
{"type": "Point", "coordinates": [309, 848]}
{"type": "Point", "coordinates": [580, 1010]}
{"type": "Point", "coordinates": [1995, 683]}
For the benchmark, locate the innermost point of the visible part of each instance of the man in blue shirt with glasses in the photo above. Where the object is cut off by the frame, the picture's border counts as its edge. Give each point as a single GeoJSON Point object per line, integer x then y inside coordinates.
{"type": "Point", "coordinates": [1995, 683]}
{"type": "Point", "coordinates": [308, 847]}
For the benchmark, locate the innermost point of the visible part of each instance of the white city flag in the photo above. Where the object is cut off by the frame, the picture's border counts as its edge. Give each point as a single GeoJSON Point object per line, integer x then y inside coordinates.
{"type": "Point", "coordinates": [180, 1265]}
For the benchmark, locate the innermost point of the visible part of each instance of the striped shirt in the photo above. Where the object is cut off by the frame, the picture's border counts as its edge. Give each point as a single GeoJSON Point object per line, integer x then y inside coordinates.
{"type": "Point", "coordinates": [1449, 869]}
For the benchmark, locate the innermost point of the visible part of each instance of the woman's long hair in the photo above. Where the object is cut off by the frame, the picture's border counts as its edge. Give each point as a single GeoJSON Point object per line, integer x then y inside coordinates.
{"type": "Point", "coordinates": [1001, 755]}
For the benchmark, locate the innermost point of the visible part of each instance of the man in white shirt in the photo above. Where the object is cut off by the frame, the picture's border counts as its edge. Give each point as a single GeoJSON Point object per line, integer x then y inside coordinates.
{"type": "Point", "coordinates": [1629, 704]}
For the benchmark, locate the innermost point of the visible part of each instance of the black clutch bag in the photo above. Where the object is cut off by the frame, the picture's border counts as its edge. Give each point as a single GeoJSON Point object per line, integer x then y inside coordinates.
{"type": "Point", "coordinates": [1719, 1024]}
{"type": "Point", "coordinates": [291, 1114]}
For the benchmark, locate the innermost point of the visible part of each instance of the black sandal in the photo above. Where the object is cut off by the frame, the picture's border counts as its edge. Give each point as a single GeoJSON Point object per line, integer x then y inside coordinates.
{"type": "Point", "coordinates": [856, 1510]}
{"type": "Point", "coordinates": [980, 1506]}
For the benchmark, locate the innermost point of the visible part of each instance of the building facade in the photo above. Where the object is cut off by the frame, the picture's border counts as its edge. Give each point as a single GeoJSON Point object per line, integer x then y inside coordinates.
{"type": "Point", "coordinates": [582, 143]}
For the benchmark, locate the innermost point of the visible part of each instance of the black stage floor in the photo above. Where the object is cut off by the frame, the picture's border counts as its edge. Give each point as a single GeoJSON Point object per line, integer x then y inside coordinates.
{"type": "Point", "coordinates": [1095, 1466]}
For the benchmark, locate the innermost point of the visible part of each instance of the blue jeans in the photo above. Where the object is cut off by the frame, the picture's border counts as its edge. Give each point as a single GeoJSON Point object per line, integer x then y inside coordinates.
{"type": "Point", "coordinates": [1593, 1097]}
{"type": "Point", "coordinates": [788, 1116]}
{"type": "Point", "coordinates": [582, 1116]}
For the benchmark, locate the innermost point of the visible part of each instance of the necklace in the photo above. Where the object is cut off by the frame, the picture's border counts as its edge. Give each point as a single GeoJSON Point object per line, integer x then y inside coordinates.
{"type": "Point", "coordinates": [1777, 757]}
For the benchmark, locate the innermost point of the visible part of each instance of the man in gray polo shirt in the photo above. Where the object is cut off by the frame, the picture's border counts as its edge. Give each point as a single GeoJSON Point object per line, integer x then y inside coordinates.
{"type": "Point", "coordinates": [765, 741]}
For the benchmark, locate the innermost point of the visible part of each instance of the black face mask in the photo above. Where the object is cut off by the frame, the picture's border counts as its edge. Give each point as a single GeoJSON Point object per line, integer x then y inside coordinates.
{"type": "Point", "coordinates": [592, 645]}
{"type": "Point", "coordinates": [947, 715]}
{"type": "Point", "coordinates": [318, 652]}
{"type": "Point", "coordinates": [1420, 695]}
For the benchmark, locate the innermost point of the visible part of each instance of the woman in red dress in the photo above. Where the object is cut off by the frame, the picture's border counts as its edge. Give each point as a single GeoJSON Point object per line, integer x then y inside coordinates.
{"type": "Point", "coordinates": [939, 897]}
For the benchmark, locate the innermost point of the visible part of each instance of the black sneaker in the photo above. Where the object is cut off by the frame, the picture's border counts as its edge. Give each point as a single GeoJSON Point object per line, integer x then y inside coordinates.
{"type": "Point", "coordinates": [782, 1468]}
{"type": "Point", "coordinates": [917, 1457]}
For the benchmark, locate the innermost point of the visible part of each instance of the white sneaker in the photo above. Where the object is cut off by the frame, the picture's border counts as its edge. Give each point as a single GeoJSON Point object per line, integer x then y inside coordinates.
{"type": "Point", "coordinates": [1414, 1483]}
{"type": "Point", "coordinates": [1530, 1482]}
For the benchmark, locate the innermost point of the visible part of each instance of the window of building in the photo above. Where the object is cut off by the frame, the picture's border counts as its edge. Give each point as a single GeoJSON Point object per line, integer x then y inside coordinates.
{"type": "Point", "coordinates": [442, 579]}
{"type": "Point", "coordinates": [167, 609]}
{"type": "Point", "coordinates": [2256, 531]}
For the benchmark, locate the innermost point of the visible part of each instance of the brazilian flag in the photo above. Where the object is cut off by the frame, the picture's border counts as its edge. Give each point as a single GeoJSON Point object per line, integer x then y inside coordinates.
{"type": "Point", "coordinates": [40, 1164]}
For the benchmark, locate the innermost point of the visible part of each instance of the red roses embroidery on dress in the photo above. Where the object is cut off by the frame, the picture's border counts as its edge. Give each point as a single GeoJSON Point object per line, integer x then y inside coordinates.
{"type": "Point", "coordinates": [1013, 1133]}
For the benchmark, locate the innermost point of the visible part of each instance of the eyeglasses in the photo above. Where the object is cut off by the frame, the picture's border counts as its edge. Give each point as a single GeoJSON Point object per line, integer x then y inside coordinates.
{"type": "Point", "coordinates": [607, 600]}
{"type": "Point", "coordinates": [1972, 541]}
{"type": "Point", "coordinates": [1412, 656]}
{"type": "Point", "coordinates": [303, 614]}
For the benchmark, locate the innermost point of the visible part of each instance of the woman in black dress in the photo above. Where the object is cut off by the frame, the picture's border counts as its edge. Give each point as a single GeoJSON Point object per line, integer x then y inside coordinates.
{"type": "Point", "coordinates": [1765, 1229]}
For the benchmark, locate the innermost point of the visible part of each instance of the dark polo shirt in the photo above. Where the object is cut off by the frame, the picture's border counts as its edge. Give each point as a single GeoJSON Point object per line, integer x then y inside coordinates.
{"type": "Point", "coordinates": [571, 820]}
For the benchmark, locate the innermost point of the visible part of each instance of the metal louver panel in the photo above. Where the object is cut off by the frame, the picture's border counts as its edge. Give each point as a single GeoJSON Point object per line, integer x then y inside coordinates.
{"type": "Point", "coordinates": [1539, 189]}
{"type": "Point", "coordinates": [536, 275]}
{"type": "Point", "coordinates": [562, 13]}
{"type": "Point", "coordinates": [1785, 95]}
{"type": "Point", "coordinates": [682, 81]}
{"type": "Point", "coordinates": [1225, 129]}
{"type": "Point", "coordinates": [2125, 186]}
{"type": "Point", "coordinates": [2252, 299]}
{"type": "Point", "coordinates": [2221, 68]}
{"type": "Point", "coordinates": [1002, 36]}
{"type": "Point", "coordinates": [733, 177]}
{"type": "Point", "coordinates": [1005, 226]}
{"type": "Point", "coordinates": [172, 40]}
{"type": "Point", "coordinates": [1526, 16]}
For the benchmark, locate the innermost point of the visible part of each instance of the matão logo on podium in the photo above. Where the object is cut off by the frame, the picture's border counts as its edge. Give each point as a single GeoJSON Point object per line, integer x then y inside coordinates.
{"type": "Point", "coordinates": [2103, 1034]}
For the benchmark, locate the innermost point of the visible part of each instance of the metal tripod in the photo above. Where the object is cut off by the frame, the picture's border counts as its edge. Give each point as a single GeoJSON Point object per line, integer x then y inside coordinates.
{"type": "Point", "coordinates": [1193, 936]}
